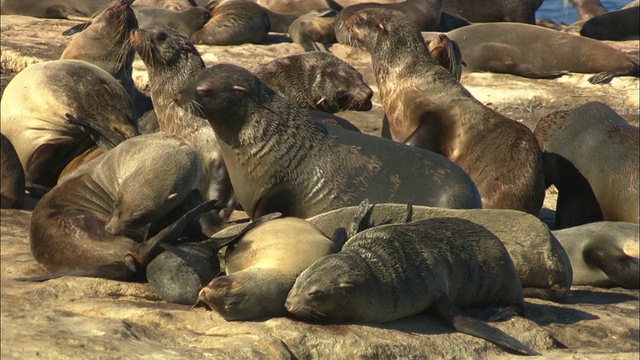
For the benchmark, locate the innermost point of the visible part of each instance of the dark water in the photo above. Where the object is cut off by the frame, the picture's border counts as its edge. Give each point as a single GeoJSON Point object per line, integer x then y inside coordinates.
{"type": "Point", "coordinates": [557, 11]}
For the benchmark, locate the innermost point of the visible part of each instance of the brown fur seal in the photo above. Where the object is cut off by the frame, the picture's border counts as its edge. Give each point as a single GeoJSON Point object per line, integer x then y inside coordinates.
{"type": "Point", "coordinates": [172, 62]}
{"type": "Point", "coordinates": [587, 8]}
{"type": "Point", "coordinates": [522, 11]}
{"type": "Point", "coordinates": [173, 5]}
{"type": "Point", "coordinates": [80, 160]}
{"type": "Point", "coordinates": [234, 23]}
{"type": "Point", "coordinates": [12, 176]}
{"type": "Point", "coordinates": [279, 161]}
{"type": "Point", "coordinates": [603, 253]}
{"type": "Point", "coordinates": [425, 14]}
{"type": "Point", "coordinates": [447, 54]}
{"type": "Point", "coordinates": [393, 271]}
{"type": "Point", "coordinates": [55, 9]}
{"type": "Point", "coordinates": [104, 42]}
{"type": "Point", "coordinates": [548, 53]}
{"type": "Point", "coordinates": [426, 107]}
{"type": "Point", "coordinates": [318, 81]}
{"type": "Point", "coordinates": [313, 30]}
{"type": "Point", "coordinates": [94, 220]}
{"type": "Point", "coordinates": [591, 155]}
{"type": "Point", "coordinates": [186, 21]}
{"type": "Point", "coordinates": [615, 25]}
{"type": "Point", "coordinates": [37, 105]}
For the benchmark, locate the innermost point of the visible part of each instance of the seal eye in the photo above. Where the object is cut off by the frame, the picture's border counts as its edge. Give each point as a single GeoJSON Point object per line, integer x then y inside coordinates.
{"type": "Point", "coordinates": [204, 91]}
{"type": "Point", "coordinates": [315, 294]}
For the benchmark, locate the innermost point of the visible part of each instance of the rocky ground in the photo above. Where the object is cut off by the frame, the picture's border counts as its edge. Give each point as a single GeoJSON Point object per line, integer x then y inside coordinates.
{"type": "Point", "coordinates": [95, 319]}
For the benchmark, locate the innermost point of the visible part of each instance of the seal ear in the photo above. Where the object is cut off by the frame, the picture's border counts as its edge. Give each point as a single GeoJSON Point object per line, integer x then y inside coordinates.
{"type": "Point", "coordinates": [76, 29]}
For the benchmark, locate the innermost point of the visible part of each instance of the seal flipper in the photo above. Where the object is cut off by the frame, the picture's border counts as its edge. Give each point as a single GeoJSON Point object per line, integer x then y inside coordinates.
{"type": "Point", "coordinates": [105, 138]}
{"type": "Point", "coordinates": [619, 267]}
{"type": "Point", "coordinates": [220, 242]}
{"type": "Point", "coordinates": [116, 271]}
{"type": "Point", "coordinates": [605, 77]}
{"type": "Point", "coordinates": [76, 29]}
{"type": "Point", "coordinates": [358, 218]}
{"type": "Point", "coordinates": [453, 317]}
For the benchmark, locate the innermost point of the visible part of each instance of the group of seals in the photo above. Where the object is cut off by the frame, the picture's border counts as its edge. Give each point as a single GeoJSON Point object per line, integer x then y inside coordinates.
{"type": "Point", "coordinates": [426, 107]}
{"type": "Point", "coordinates": [591, 155]}
{"type": "Point", "coordinates": [56, 9]}
{"type": "Point", "coordinates": [279, 161]}
{"type": "Point", "coordinates": [234, 23]}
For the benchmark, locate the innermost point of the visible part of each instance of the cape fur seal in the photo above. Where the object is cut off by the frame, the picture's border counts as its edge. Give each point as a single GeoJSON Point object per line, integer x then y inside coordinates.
{"type": "Point", "coordinates": [536, 52]}
{"type": "Point", "coordinates": [587, 8]}
{"type": "Point", "coordinates": [393, 271]}
{"type": "Point", "coordinates": [104, 42]}
{"type": "Point", "coordinates": [522, 11]}
{"type": "Point", "coordinates": [39, 102]}
{"type": "Point", "coordinates": [12, 175]}
{"type": "Point", "coordinates": [94, 222]}
{"type": "Point", "coordinates": [53, 9]}
{"type": "Point", "coordinates": [172, 62]}
{"type": "Point", "coordinates": [279, 161]}
{"type": "Point", "coordinates": [424, 14]}
{"type": "Point", "coordinates": [591, 155]}
{"type": "Point", "coordinates": [426, 107]}
{"type": "Point", "coordinates": [173, 5]}
{"type": "Point", "coordinates": [234, 23]}
{"type": "Point", "coordinates": [603, 253]}
{"type": "Point", "coordinates": [313, 30]}
{"type": "Point", "coordinates": [317, 81]}
{"type": "Point", "coordinates": [186, 21]}
{"type": "Point", "coordinates": [616, 25]}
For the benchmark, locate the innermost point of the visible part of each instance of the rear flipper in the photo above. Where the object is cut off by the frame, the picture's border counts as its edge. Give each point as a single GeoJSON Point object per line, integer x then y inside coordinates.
{"type": "Point", "coordinates": [619, 267]}
{"type": "Point", "coordinates": [452, 316]}
{"type": "Point", "coordinates": [116, 271]}
{"type": "Point", "coordinates": [605, 77]}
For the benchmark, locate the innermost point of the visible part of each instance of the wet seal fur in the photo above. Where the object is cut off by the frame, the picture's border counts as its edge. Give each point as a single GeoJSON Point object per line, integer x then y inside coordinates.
{"type": "Point", "coordinates": [280, 161]}
{"type": "Point", "coordinates": [234, 23]}
{"type": "Point", "coordinates": [603, 253]}
{"type": "Point", "coordinates": [317, 81]}
{"type": "Point", "coordinates": [11, 175]}
{"type": "Point", "coordinates": [393, 271]}
{"type": "Point", "coordinates": [591, 155]}
{"type": "Point", "coordinates": [536, 52]}
{"type": "Point", "coordinates": [39, 102]}
{"type": "Point", "coordinates": [94, 222]}
{"type": "Point", "coordinates": [426, 107]}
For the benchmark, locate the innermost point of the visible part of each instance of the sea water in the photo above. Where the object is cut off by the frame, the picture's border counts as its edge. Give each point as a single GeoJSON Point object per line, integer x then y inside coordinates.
{"type": "Point", "coordinates": [558, 11]}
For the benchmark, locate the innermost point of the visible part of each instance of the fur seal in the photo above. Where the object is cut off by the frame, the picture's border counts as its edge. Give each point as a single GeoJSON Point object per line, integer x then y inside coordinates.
{"type": "Point", "coordinates": [173, 5]}
{"type": "Point", "coordinates": [39, 102]}
{"type": "Point", "coordinates": [603, 254]}
{"type": "Point", "coordinates": [54, 9]}
{"type": "Point", "coordinates": [318, 81]}
{"type": "Point", "coordinates": [593, 185]}
{"type": "Point", "coordinates": [616, 25]}
{"type": "Point", "coordinates": [522, 11]}
{"type": "Point", "coordinates": [12, 175]}
{"type": "Point", "coordinates": [280, 161]}
{"type": "Point", "coordinates": [104, 42]}
{"type": "Point", "coordinates": [393, 271]}
{"type": "Point", "coordinates": [234, 23]}
{"type": "Point", "coordinates": [447, 54]}
{"type": "Point", "coordinates": [587, 8]}
{"type": "Point", "coordinates": [94, 222]}
{"type": "Point", "coordinates": [424, 14]}
{"type": "Point", "coordinates": [172, 62]}
{"type": "Point", "coordinates": [313, 30]}
{"type": "Point", "coordinates": [80, 160]}
{"type": "Point", "coordinates": [548, 53]}
{"type": "Point", "coordinates": [186, 21]}
{"type": "Point", "coordinates": [426, 107]}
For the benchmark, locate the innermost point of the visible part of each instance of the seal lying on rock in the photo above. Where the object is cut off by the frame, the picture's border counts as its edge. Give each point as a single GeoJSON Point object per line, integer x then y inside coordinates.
{"type": "Point", "coordinates": [426, 107]}
{"type": "Point", "coordinates": [38, 103]}
{"type": "Point", "coordinates": [234, 23]}
{"type": "Point", "coordinates": [591, 155]}
{"type": "Point", "coordinates": [393, 271]}
{"type": "Point", "coordinates": [279, 161]}
{"type": "Point", "coordinates": [603, 253]}
{"type": "Point", "coordinates": [317, 80]}
{"type": "Point", "coordinates": [12, 175]}
{"type": "Point", "coordinates": [313, 30]}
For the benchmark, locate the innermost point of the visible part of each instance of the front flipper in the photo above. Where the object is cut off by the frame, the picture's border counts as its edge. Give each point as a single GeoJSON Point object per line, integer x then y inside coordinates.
{"type": "Point", "coordinates": [358, 218]}
{"type": "Point", "coordinates": [453, 317]}
{"type": "Point", "coordinates": [105, 136]}
{"type": "Point", "coordinates": [116, 271]}
{"type": "Point", "coordinates": [619, 267]}
{"type": "Point", "coordinates": [220, 242]}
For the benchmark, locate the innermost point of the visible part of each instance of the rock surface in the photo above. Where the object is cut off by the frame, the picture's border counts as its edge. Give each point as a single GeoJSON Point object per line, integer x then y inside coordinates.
{"type": "Point", "coordinates": [94, 319]}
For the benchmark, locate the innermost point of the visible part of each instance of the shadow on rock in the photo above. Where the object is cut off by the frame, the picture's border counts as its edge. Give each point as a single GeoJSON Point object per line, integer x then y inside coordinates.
{"type": "Point", "coordinates": [550, 314]}
{"type": "Point", "coordinates": [599, 297]}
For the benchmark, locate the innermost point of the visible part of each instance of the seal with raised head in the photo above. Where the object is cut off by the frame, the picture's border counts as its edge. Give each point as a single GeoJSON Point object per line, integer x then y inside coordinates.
{"type": "Point", "coordinates": [616, 25]}
{"type": "Point", "coordinates": [427, 108]}
{"type": "Point", "coordinates": [104, 42]}
{"type": "Point", "coordinates": [172, 62]}
{"type": "Point", "coordinates": [398, 270]}
{"type": "Point", "coordinates": [522, 11]}
{"type": "Point", "coordinates": [54, 9]}
{"type": "Point", "coordinates": [94, 222]}
{"type": "Point", "coordinates": [603, 253]}
{"type": "Point", "coordinates": [536, 52]}
{"type": "Point", "coordinates": [234, 23]}
{"type": "Point", "coordinates": [279, 161]}
{"type": "Point", "coordinates": [591, 155]}
{"type": "Point", "coordinates": [317, 81]}
{"type": "Point", "coordinates": [11, 175]}
{"type": "Point", "coordinates": [39, 102]}
{"type": "Point", "coordinates": [186, 21]}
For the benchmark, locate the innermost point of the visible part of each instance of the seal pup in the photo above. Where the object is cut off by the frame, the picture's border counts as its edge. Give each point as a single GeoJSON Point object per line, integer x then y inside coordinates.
{"type": "Point", "coordinates": [616, 25]}
{"type": "Point", "coordinates": [12, 176]}
{"type": "Point", "coordinates": [94, 222]}
{"type": "Point", "coordinates": [104, 42]}
{"type": "Point", "coordinates": [54, 9]}
{"type": "Point", "coordinates": [321, 81]}
{"type": "Point", "coordinates": [280, 161]}
{"type": "Point", "coordinates": [603, 253]}
{"type": "Point", "coordinates": [536, 52]}
{"type": "Point", "coordinates": [39, 102]}
{"type": "Point", "coordinates": [593, 185]}
{"type": "Point", "coordinates": [234, 23]}
{"type": "Point", "coordinates": [482, 11]}
{"type": "Point", "coordinates": [313, 30]}
{"type": "Point", "coordinates": [393, 271]}
{"type": "Point", "coordinates": [426, 107]}
{"type": "Point", "coordinates": [172, 62]}
{"type": "Point", "coordinates": [186, 21]}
